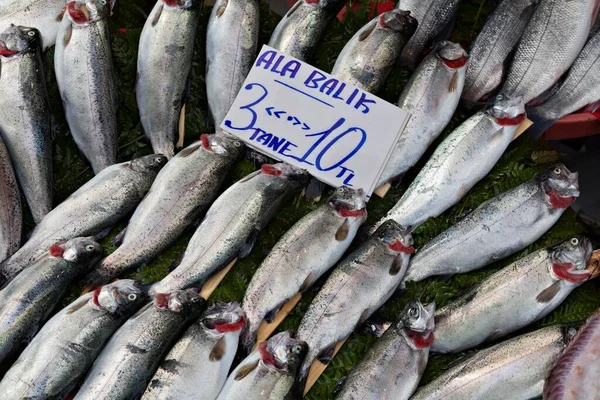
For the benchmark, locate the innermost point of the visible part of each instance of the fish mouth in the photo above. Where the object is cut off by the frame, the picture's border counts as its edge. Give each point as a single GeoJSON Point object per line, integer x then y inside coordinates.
{"type": "Point", "coordinates": [506, 110]}
{"type": "Point", "coordinates": [453, 55]}
{"type": "Point", "coordinates": [398, 20]}
{"type": "Point", "coordinates": [78, 13]}
{"type": "Point", "coordinates": [5, 51]}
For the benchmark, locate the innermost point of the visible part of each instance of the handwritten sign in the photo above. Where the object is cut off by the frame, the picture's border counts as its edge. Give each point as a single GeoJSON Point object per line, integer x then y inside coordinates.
{"type": "Point", "coordinates": [298, 114]}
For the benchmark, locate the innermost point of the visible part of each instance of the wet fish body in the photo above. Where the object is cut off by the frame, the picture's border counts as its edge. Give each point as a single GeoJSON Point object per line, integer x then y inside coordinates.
{"type": "Point", "coordinates": [231, 41]}
{"type": "Point", "coordinates": [232, 224]}
{"type": "Point", "coordinates": [305, 252]}
{"type": "Point", "coordinates": [499, 227]}
{"type": "Point", "coordinates": [198, 365]}
{"type": "Point", "coordinates": [25, 120]}
{"type": "Point", "coordinates": [93, 208]}
{"type": "Point", "coordinates": [85, 77]}
{"type": "Point", "coordinates": [514, 369]}
{"type": "Point", "coordinates": [542, 56]}
{"type": "Point", "coordinates": [30, 298]}
{"type": "Point", "coordinates": [68, 343]}
{"type": "Point", "coordinates": [370, 54]}
{"type": "Point", "coordinates": [11, 218]}
{"type": "Point", "coordinates": [431, 97]}
{"type": "Point", "coordinates": [164, 65]}
{"type": "Point", "coordinates": [464, 158]}
{"type": "Point", "coordinates": [301, 28]}
{"type": "Point", "coordinates": [533, 285]}
{"type": "Point", "coordinates": [133, 354]}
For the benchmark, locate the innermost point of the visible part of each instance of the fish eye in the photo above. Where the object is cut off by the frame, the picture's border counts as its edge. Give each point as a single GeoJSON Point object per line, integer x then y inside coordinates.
{"type": "Point", "coordinates": [90, 247]}
{"type": "Point", "coordinates": [237, 144]}
{"type": "Point", "coordinates": [296, 349]}
{"type": "Point", "coordinates": [103, 2]}
{"type": "Point", "coordinates": [574, 241]}
{"type": "Point", "coordinates": [131, 296]}
{"type": "Point", "coordinates": [413, 312]}
{"type": "Point", "coordinates": [158, 159]}
{"type": "Point", "coordinates": [340, 190]}
{"type": "Point", "coordinates": [31, 33]}
{"type": "Point", "coordinates": [557, 170]}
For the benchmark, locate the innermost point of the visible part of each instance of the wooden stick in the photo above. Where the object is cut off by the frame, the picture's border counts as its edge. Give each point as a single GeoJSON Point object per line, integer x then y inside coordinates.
{"type": "Point", "coordinates": [181, 127]}
{"type": "Point", "coordinates": [213, 282]}
{"type": "Point", "coordinates": [382, 190]}
{"type": "Point", "coordinates": [267, 328]}
{"type": "Point", "coordinates": [522, 128]}
{"type": "Point", "coordinates": [317, 368]}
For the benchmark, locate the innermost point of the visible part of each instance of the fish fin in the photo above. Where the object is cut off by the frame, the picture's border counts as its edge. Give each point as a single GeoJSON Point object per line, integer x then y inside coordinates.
{"type": "Point", "coordinates": [363, 318]}
{"type": "Point", "coordinates": [462, 216]}
{"type": "Point", "coordinates": [453, 82]}
{"type": "Point", "coordinates": [245, 370]}
{"type": "Point", "coordinates": [397, 265]}
{"type": "Point", "coordinates": [157, 16]}
{"type": "Point", "coordinates": [250, 240]}
{"type": "Point", "coordinates": [61, 14]}
{"type": "Point", "coordinates": [68, 34]}
{"type": "Point", "coordinates": [118, 240]}
{"type": "Point", "coordinates": [306, 284]}
{"type": "Point", "coordinates": [376, 327]}
{"type": "Point", "coordinates": [188, 150]}
{"type": "Point", "coordinates": [342, 232]}
{"type": "Point", "coordinates": [326, 354]}
{"type": "Point", "coordinates": [218, 350]}
{"type": "Point", "coordinates": [546, 295]}
{"type": "Point", "coordinates": [270, 316]}
{"type": "Point", "coordinates": [340, 384]}
{"type": "Point", "coordinates": [77, 306]}
{"type": "Point", "coordinates": [179, 143]}
{"type": "Point", "coordinates": [222, 8]}
{"type": "Point", "coordinates": [495, 335]}
{"type": "Point", "coordinates": [314, 190]}
{"type": "Point", "coordinates": [527, 12]}
{"type": "Point", "coordinates": [175, 263]}
{"type": "Point", "coordinates": [102, 234]}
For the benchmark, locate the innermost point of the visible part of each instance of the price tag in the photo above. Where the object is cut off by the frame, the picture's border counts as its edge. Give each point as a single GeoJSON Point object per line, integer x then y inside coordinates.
{"type": "Point", "coordinates": [296, 113]}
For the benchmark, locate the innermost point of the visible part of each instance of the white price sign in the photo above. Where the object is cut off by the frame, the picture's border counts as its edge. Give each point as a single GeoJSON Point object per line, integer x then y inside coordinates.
{"type": "Point", "coordinates": [296, 113]}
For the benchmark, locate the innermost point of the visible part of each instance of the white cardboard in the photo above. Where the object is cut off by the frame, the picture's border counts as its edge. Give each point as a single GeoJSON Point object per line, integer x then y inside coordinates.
{"type": "Point", "coordinates": [296, 113]}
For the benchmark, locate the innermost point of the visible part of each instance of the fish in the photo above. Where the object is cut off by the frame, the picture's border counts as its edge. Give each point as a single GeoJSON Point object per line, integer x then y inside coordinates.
{"type": "Point", "coordinates": [198, 365]}
{"type": "Point", "coordinates": [393, 367]}
{"type": "Point", "coordinates": [465, 157]}
{"type": "Point", "coordinates": [501, 226]}
{"type": "Point", "coordinates": [433, 17]}
{"type": "Point", "coordinates": [514, 297]}
{"type": "Point", "coordinates": [134, 353]}
{"type": "Point", "coordinates": [90, 210]}
{"type": "Point", "coordinates": [368, 57]}
{"type": "Point", "coordinates": [580, 88]}
{"type": "Point", "coordinates": [431, 96]}
{"type": "Point", "coordinates": [25, 119]}
{"type": "Point", "coordinates": [232, 224]}
{"type": "Point", "coordinates": [514, 369]}
{"type": "Point", "coordinates": [182, 191]}
{"type": "Point", "coordinates": [29, 299]}
{"type": "Point", "coordinates": [301, 28]}
{"type": "Point", "coordinates": [11, 215]}
{"type": "Point", "coordinates": [542, 56]}
{"type": "Point", "coordinates": [164, 66]}
{"type": "Point", "coordinates": [66, 346]}
{"type": "Point", "coordinates": [304, 253]}
{"type": "Point", "coordinates": [85, 78]}
{"type": "Point", "coordinates": [231, 40]}
{"type": "Point", "coordinates": [360, 284]}
{"type": "Point", "coordinates": [268, 372]}
{"type": "Point", "coordinates": [493, 48]}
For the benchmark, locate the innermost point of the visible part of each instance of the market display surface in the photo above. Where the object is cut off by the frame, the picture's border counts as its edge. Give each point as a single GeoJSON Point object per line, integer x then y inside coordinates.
{"type": "Point", "coordinates": [468, 279]}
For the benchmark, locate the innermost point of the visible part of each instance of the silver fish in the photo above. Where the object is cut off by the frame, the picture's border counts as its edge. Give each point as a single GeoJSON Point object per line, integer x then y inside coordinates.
{"type": "Point", "coordinates": [433, 16]}
{"type": "Point", "coordinates": [514, 369]}
{"type": "Point", "coordinates": [464, 158]}
{"type": "Point", "coordinates": [301, 28]}
{"type": "Point", "coordinates": [30, 298]}
{"type": "Point", "coordinates": [268, 372]}
{"type": "Point", "coordinates": [198, 365]}
{"type": "Point", "coordinates": [492, 49]}
{"type": "Point", "coordinates": [393, 367]}
{"type": "Point", "coordinates": [11, 218]}
{"type": "Point", "coordinates": [182, 191]}
{"type": "Point", "coordinates": [534, 285]}
{"type": "Point", "coordinates": [499, 227]}
{"type": "Point", "coordinates": [93, 208]}
{"type": "Point", "coordinates": [25, 120]}
{"type": "Point", "coordinates": [67, 345]}
{"type": "Point", "coordinates": [431, 97]}
{"type": "Point", "coordinates": [231, 41]}
{"type": "Point", "coordinates": [357, 287]}
{"type": "Point", "coordinates": [133, 354]}
{"type": "Point", "coordinates": [232, 224]}
{"type": "Point", "coordinates": [163, 70]}
{"type": "Point", "coordinates": [304, 253]}
{"type": "Point", "coordinates": [370, 54]}
{"type": "Point", "coordinates": [84, 73]}
{"type": "Point", "coordinates": [542, 56]}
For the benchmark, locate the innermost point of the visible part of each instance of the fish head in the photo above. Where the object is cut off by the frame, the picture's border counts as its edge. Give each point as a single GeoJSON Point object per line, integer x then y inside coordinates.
{"type": "Point", "coordinates": [178, 300]}
{"type": "Point", "coordinates": [395, 237]}
{"type": "Point", "coordinates": [181, 3]}
{"type": "Point", "coordinates": [560, 185]}
{"type": "Point", "coordinates": [82, 251]}
{"type": "Point", "coordinates": [220, 144]}
{"type": "Point", "coordinates": [398, 20]}
{"type": "Point", "coordinates": [452, 54]}
{"type": "Point", "coordinates": [570, 260]}
{"type": "Point", "coordinates": [85, 12]}
{"type": "Point", "coordinates": [17, 40]}
{"type": "Point", "coordinates": [417, 324]}
{"type": "Point", "coordinates": [150, 163]}
{"type": "Point", "coordinates": [330, 5]}
{"type": "Point", "coordinates": [283, 352]}
{"type": "Point", "coordinates": [506, 111]}
{"type": "Point", "coordinates": [222, 317]}
{"type": "Point", "coordinates": [286, 171]}
{"type": "Point", "coordinates": [348, 202]}
{"type": "Point", "coordinates": [119, 296]}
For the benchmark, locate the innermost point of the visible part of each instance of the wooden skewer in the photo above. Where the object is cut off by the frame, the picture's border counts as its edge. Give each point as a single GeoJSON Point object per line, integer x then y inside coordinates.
{"type": "Point", "coordinates": [181, 127]}
{"type": "Point", "coordinates": [522, 128]}
{"type": "Point", "coordinates": [213, 282]}
{"type": "Point", "coordinates": [382, 190]}
{"type": "Point", "coordinates": [317, 368]}
{"type": "Point", "coordinates": [266, 329]}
